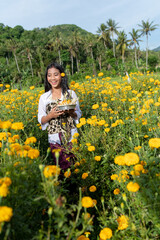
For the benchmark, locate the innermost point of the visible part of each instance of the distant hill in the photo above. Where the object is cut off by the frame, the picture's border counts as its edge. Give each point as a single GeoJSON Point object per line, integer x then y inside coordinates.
{"type": "Point", "coordinates": [156, 49]}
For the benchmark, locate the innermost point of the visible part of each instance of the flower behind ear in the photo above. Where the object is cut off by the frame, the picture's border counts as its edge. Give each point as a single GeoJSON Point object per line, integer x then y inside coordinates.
{"type": "Point", "coordinates": [62, 74]}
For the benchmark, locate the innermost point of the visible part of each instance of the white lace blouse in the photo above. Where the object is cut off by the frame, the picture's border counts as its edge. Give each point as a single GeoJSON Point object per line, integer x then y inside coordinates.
{"type": "Point", "coordinates": [46, 98]}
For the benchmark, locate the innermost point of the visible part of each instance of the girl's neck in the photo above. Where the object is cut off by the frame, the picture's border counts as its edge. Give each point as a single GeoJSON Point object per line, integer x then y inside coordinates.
{"type": "Point", "coordinates": [56, 93]}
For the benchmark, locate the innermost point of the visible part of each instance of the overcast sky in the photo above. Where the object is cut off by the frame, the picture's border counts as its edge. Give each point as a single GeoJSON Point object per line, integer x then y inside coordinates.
{"type": "Point", "coordinates": [87, 14]}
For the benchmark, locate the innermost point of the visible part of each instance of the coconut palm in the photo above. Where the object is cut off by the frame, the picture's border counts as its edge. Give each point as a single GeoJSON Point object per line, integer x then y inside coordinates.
{"type": "Point", "coordinates": [146, 28]}
{"type": "Point", "coordinates": [123, 42]}
{"type": "Point", "coordinates": [111, 27]}
{"type": "Point", "coordinates": [135, 41]}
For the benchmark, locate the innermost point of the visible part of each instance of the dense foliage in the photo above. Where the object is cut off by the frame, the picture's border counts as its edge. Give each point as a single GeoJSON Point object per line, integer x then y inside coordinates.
{"type": "Point", "coordinates": [25, 54]}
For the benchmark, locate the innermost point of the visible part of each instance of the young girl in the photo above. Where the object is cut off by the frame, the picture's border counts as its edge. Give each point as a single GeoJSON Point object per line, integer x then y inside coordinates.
{"type": "Point", "coordinates": [61, 125]}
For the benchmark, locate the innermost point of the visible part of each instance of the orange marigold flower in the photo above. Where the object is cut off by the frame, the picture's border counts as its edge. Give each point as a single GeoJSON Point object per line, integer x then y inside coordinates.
{"type": "Point", "coordinates": [87, 202]}
{"type": "Point", "coordinates": [91, 148]}
{"type": "Point", "coordinates": [154, 142]}
{"type": "Point", "coordinates": [33, 153]}
{"type": "Point", "coordinates": [105, 233]}
{"type": "Point", "coordinates": [67, 173]}
{"type": "Point", "coordinates": [131, 159]}
{"type": "Point", "coordinates": [51, 170]}
{"type": "Point", "coordinates": [5, 214]}
{"type": "Point", "coordinates": [120, 160]}
{"type": "Point", "coordinates": [122, 222]}
{"type": "Point", "coordinates": [17, 126]}
{"type": "Point", "coordinates": [30, 140]}
{"type": "Point", "coordinates": [97, 158]}
{"type": "Point", "coordinates": [133, 187]}
{"type": "Point", "coordinates": [116, 191]}
{"type": "Point", "coordinates": [84, 175]}
{"type": "Point", "coordinates": [92, 188]}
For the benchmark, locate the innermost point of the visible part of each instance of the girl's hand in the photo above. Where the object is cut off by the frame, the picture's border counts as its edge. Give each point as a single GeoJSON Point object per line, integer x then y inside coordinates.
{"type": "Point", "coordinates": [55, 113]}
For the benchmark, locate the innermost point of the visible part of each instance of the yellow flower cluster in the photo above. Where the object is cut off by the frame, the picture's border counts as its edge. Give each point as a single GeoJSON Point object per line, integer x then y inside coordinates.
{"type": "Point", "coordinates": [4, 184]}
{"type": "Point", "coordinates": [6, 214]}
{"type": "Point", "coordinates": [133, 187]}
{"type": "Point", "coordinates": [122, 222]}
{"type": "Point", "coordinates": [51, 170]}
{"type": "Point", "coordinates": [127, 159]}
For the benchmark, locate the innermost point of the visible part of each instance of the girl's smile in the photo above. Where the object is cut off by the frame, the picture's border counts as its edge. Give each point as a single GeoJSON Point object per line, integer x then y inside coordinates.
{"type": "Point", "coordinates": [54, 77]}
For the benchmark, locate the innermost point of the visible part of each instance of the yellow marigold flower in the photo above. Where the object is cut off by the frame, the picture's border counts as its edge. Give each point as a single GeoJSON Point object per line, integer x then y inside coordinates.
{"type": "Point", "coordinates": [88, 144]}
{"type": "Point", "coordinates": [101, 122]}
{"type": "Point", "coordinates": [15, 137]}
{"type": "Point", "coordinates": [116, 191]}
{"type": "Point", "coordinates": [0, 144]}
{"type": "Point", "coordinates": [138, 167]}
{"type": "Point", "coordinates": [7, 86]}
{"type": "Point", "coordinates": [107, 130]}
{"type": "Point", "coordinates": [33, 153]}
{"type": "Point", "coordinates": [131, 159]}
{"type": "Point", "coordinates": [67, 173]}
{"type": "Point", "coordinates": [5, 125]}
{"type": "Point", "coordinates": [51, 170]}
{"type": "Point", "coordinates": [114, 176]}
{"type": "Point", "coordinates": [84, 175]}
{"type": "Point", "coordinates": [133, 187]}
{"type": "Point", "coordinates": [82, 121]}
{"type": "Point", "coordinates": [95, 106]}
{"type": "Point", "coordinates": [105, 233]}
{"type": "Point", "coordinates": [76, 135]}
{"type": "Point", "coordinates": [5, 214]}
{"type": "Point", "coordinates": [32, 87]}
{"type": "Point", "coordinates": [120, 160]}
{"type": "Point", "coordinates": [87, 77]}
{"type": "Point", "coordinates": [97, 158]}
{"type": "Point", "coordinates": [91, 148]}
{"type": "Point", "coordinates": [145, 136]}
{"type": "Point", "coordinates": [22, 153]}
{"type": "Point", "coordinates": [1, 85]}
{"type": "Point", "coordinates": [87, 202]}
{"type": "Point", "coordinates": [122, 222]}
{"type": "Point", "coordinates": [76, 170]}
{"type": "Point", "coordinates": [30, 140]}
{"type": "Point", "coordinates": [17, 126]}
{"type": "Point", "coordinates": [74, 140]}
{"type": "Point", "coordinates": [92, 188]}
{"type": "Point", "coordinates": [4, 190]}
{"type": "Point", "coordinates": [100, 74]}
{"type": "Point", "coordinates": [154, 142]}
{"type": "Point", "coordinates": [79, 125]}
{"type": "Point", "coordinates": [6, 180]}
{"type": "Point", "coordinates": [62, 74]}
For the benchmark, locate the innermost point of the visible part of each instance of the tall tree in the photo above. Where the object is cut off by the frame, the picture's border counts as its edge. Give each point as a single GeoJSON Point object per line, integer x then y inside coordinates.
{"type": "Point", "coordinates": [111, 27]}
{"type": "Point", "coordinates": [146, 28]}
{"type": "Point", "coordinates": [122, 43]}
{"type": "Point", "coordinates": [135, 41]}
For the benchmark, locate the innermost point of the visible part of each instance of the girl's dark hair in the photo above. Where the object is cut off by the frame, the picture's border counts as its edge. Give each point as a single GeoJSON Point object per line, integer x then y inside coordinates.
{"type": "Point", "coordinates": [64, 82]}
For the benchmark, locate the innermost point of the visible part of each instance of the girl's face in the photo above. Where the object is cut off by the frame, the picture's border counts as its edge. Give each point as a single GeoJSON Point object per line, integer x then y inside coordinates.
{"type": "Point", "coordinates": [54, 77]}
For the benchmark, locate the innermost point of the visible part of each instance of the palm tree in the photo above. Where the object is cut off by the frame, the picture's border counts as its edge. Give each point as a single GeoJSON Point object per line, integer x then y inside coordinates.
{"type": "Point", "coordinates": [135, 41]}
{"type": "Point", "coordinates": [145, 29]}
{"type": "Point", "coordinates": [123, 42]}
{"type": "Point", "coordinates": [111, 28]}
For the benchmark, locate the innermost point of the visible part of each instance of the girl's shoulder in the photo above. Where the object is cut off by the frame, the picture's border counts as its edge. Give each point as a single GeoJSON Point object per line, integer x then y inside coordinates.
{"type": "Point", "coordinates": [46, 94]}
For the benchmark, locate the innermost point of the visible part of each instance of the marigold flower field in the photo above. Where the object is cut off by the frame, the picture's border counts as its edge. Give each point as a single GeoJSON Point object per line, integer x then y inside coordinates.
{"type": "Point", "coordinates": [113, 189]}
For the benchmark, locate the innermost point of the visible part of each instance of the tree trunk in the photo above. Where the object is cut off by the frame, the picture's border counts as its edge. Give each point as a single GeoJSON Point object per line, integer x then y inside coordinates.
{"type": "Point", "coordinates": [114, 51]}
{"type": "Point", "coordinates": [135, 52]}
{"type": "Point", "coordinates": [146, 51]}
{"type": "Point", "coordinates": [15, 57]}
{"type": "Point", "coordinates": [30, 62]}
{"type": "Point", "coordinates": [59, 53]}
{"type": "Point", "coordinates": [72, 63]}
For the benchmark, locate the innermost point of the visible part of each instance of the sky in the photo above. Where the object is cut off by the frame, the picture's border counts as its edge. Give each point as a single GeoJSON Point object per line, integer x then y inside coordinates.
{"type": "Point", "coordinates": [87, 14]}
